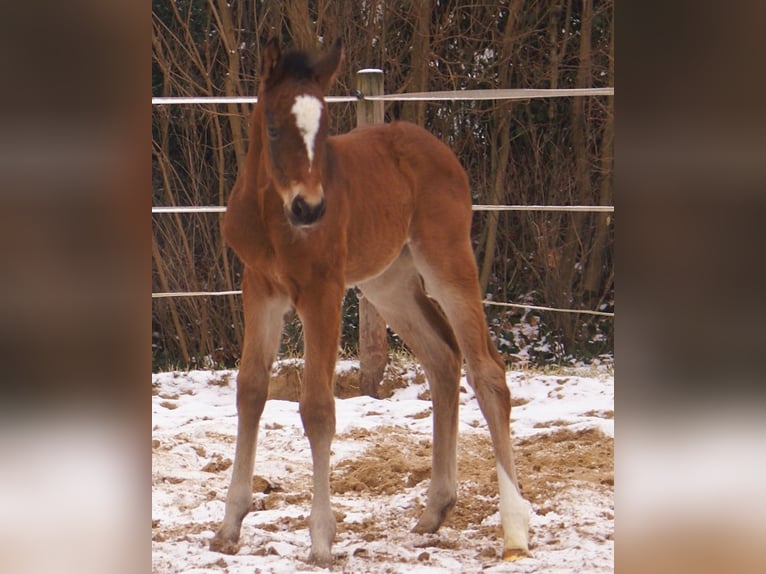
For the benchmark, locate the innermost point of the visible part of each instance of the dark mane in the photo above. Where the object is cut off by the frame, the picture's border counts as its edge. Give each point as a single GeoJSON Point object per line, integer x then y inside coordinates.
{"type": "Point", "coordinates": [296, 64]}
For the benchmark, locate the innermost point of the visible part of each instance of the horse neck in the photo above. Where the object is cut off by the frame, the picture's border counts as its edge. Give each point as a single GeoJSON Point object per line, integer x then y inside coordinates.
{"type": "Point", "coordinates": [254, 160]}
{"type": "Point", "coordinates": [244, 226]}
{"type": "Point", "coordinates": [255, 147]}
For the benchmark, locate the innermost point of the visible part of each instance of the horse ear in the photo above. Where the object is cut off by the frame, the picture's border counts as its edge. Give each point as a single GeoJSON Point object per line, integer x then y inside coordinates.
{"type": "Point", "coordinates": [271, 56]}
{"type": "Point", "coordinates": [327, 67]}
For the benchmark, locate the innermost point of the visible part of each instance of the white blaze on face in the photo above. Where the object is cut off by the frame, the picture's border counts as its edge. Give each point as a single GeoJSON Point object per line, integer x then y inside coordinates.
{"type": "Point", "coordinates": [308, 113]}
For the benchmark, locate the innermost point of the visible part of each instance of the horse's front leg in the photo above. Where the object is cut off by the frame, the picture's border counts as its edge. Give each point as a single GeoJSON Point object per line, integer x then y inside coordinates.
{"type": "Point", "coordinates": [320, 312]}
{"type": "Point", "coordinates": [263, 327]}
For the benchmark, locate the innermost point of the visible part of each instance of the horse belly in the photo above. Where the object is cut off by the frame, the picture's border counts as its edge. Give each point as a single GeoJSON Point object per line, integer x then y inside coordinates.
{"type": "Point", "coordinates": [360, 270]}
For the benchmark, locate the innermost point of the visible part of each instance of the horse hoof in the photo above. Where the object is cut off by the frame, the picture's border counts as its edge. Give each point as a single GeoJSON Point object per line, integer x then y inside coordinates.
{"type": "Point", "coordinates": [425, 527]}
{"type": "Point", "coordinates": [320, 559]}
{"type": "Point", "coordinates": [514, 554]}
{"type": "Point", "coordinates": [224, 546]}
{"type": "Point", "coordinates": [433, 517]}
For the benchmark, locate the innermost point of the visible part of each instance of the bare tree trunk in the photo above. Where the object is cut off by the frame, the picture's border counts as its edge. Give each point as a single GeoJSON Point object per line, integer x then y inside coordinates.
{"type": "Point", "coordinates": [579, 105]}
{"type": "Point", "coordinates": [159, 264]}
{"type": "Point", "coordinates": [231, 83]}
{"type": "Point", "coordinates": [503, 149]}
{"type": "Point", "coordinates": [302, 29]}
{"type": "Point", "coordinates": [583, 191]}
{"type": "Point", "coordinates": [222, 189]}
{"type": "Point", "coordinates": [384, 16]}
{"type": "Point", "coordinates": [594, 271]}
{"type": "Point", "coordinates": [496, 196]}
{"type": "Point", "coordinates": [574, 247]}
{"type": "Point", "coordinates": [555, 54]}
{"type": "Point", "coordinates": [419, 58]}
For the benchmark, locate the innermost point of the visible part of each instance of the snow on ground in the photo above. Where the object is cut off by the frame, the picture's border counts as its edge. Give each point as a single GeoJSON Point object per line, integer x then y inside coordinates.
{"type": "Point", "coordinates": [563, 429]}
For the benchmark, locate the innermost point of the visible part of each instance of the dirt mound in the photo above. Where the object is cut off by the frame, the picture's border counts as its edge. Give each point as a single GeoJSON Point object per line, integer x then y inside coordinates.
{"type": "Point", "coordinates": [546, 461]}
{"type": "Point", "coordinates": [545, 464]}
{"type": "Point", "coordinates": [286, 379]}
{"type": "Point", "coordinates": [384, 468]}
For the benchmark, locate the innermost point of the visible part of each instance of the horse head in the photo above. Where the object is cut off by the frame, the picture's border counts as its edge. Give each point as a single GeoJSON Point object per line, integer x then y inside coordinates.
{"type": "Point", "coordinates": [294, 126]}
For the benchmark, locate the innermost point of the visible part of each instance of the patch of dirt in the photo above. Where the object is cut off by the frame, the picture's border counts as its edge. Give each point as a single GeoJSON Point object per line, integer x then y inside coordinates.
{"type": "Point", "coordinates": [546, 461]}
{"type": "Point", "coordinates": [218, 464]}
{"type": "Point", "coordinates": [264, 486]}
{"type": "Point", "coordinates": [421, 415]}
{"type": "Point", "coordinates": [162, 532]}
{"type": "Point", "coordinates": [384, 468]}
{"type": "Point", "coordinates": [220, 437]}
{"type": "Point", "coordinates": [285, 383]}
{"type": "Point", "coordinates": [545, 464]}
{"type": "Point", "coordinates": [517, 402]}
{"type": "Point", "coordinates": [549, 424]}
{"type": "Point", "coordinates": [600, 414]}
{"type": "Point", "coordinates": [285, 524]}
{"type": "Point", "coordinates": [223, 380]}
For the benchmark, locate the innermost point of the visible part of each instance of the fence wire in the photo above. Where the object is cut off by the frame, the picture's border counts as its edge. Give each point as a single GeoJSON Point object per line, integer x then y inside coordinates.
{"type": "Point", "coordinates": [456, 95]}
{"type": "Point", "coordinates": [486, 302]}
{"type": "Point", "coordinates": [573, 208]}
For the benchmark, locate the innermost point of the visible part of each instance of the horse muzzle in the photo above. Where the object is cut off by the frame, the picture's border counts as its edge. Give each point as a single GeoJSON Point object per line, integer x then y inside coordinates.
{"type": "Point", "coordinates": [302, 213]}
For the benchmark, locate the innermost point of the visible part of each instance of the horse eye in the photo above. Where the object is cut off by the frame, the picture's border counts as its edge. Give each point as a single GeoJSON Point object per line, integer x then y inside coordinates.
{"type": "Point", "coordinates": [272, 132]}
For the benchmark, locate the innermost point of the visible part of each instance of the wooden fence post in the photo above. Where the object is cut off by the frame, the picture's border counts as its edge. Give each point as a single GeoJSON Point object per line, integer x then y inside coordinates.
{"type": "Point", "coordinates": [373, 343]}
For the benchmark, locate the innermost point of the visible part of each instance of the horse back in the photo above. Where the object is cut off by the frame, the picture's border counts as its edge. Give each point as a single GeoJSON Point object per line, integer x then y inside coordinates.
{"type": "Point", "coordinates": [405, 149]}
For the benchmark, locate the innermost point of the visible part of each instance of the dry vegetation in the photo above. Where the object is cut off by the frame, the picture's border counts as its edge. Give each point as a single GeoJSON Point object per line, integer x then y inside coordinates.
{"type": "Point", "coordinates": [546, 151]}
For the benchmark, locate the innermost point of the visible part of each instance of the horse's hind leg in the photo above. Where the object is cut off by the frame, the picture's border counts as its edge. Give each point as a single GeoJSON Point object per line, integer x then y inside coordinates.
{"type": "Point", "coordinates": [447, 264]}
{"type": "Point", "coordinates": [399, 297]}
{"type": "Point", "coordinates": [263, 326]}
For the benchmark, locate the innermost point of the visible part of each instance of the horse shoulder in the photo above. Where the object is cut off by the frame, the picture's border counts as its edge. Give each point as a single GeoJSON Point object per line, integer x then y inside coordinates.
{"type": "Point", "coordinates": [243, 227]}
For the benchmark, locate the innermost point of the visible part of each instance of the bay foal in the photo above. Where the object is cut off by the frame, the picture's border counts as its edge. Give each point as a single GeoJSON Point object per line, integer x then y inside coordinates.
{"type": "Point", "coordinates": [386, 208]}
